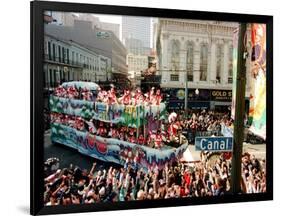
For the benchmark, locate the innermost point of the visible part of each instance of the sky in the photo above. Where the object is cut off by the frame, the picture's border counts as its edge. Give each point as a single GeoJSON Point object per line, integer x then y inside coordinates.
{"type": "Point", "coordinates": [118, 20]}
{"type": "Point", "coordinates": [110, 18]}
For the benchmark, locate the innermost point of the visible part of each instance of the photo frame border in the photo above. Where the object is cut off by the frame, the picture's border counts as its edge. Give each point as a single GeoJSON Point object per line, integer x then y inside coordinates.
{"type": "Point", "coordinates": [37, 9]}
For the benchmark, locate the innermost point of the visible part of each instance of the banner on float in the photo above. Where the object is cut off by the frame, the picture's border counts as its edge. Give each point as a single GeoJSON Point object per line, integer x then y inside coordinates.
{"type": "Point", "coordinates": [114, 150]}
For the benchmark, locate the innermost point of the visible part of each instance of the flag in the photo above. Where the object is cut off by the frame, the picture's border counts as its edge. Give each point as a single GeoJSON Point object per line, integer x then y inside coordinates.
{"type": "Point", "coordinates": [257, 110]}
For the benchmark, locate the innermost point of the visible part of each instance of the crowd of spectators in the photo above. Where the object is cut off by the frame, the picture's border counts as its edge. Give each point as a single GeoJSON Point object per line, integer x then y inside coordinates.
{"type": "Point", "coordinates": [204, 120]}
{"type": "Point", "coordinates": [209, 177]}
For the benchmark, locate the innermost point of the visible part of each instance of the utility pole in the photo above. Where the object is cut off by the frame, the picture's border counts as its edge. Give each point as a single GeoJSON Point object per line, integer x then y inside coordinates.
{"type": "Point", "coordinates": [238, 135]}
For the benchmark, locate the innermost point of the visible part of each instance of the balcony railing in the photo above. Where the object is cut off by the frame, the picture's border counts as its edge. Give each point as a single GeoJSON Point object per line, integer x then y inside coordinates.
{"type": "Point", "coordinates": [60, 60]}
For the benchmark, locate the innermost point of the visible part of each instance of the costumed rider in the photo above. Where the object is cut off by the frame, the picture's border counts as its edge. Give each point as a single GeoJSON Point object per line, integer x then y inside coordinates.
{"type": "Point", "coordinates": [87, 94]}
{"type": "Point", "coordinates": [152, 96]}
{"type": "Point", "coordinates": [126, 98]}
{"type": "Point", "coordinates": [91, 126]}
{"type": "Point", "coordinates": [158, 140]}
{"type": "Point", "coordinates": [158, 97]}
{"type": "Point", "coordinates": [173, 126]}
{"type": "Point", "coordinates": [101, 130]}
{"type": "Point", "coordinates": [138, 98]}
{"type": "Point", "coordinates": [112, 95]}
{"type": "Point", "coordinates": [132, 137]}
{"type": "Point", "coordinates": [100, 95]}
{"type": "Point", "coordinates": [60, 91]}
{"type": "Point", "coordinates": [151, 138]}
{"type": "Point", "coordinates": [113, 133]}
{"type": "Point", "coordinates": [72, 92]}
{"type": "Point", "coordinates": [79, 123]}
{"type": "Point", "coordinates": [141, 139]}
{"type": "Point", "coordinates": [111, 100]}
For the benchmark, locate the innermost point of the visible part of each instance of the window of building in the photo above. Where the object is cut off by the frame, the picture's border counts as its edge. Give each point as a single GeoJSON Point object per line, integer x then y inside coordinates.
{"type": "Point", "coordinates": [81, 60]}
{"type": "Point", "coordinates": [203, 61]}
{"type": "Point", "coordinates": [230, 64]}
{"type": "Point", "coordinates": [49, 50]}
{"type": "Point", "coordinates": [54, 52]}
{"type": "Point", "coordinates": [219, 66]}
{"type": "Point", "coordinates": [84, 60]}
{"type": "Point", "coordinates": [67, 56]}
{"type": "Point", "coordinates": [59, 48]}
{"type": "Point", "coordinates": [175, 55]}
{"type": "Point", "coordinates": [189, 61]}
{"type": "Point", "coordinates": [51, 78]}
{"type": "Point", "coordinates": [174, 77]}
{"type": "Point", "coordinates": [73, 55]}
{"type": "Point", "coordinates": [63, 56]}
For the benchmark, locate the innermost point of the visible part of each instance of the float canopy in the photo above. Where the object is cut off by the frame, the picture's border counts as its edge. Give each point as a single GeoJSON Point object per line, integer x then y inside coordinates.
{"type": "Point", "coordinates": [79, 84]}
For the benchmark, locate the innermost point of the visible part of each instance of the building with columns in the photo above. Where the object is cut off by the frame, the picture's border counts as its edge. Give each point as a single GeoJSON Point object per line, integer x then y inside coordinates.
{"type": "Point", "coordinates": [196, 54]}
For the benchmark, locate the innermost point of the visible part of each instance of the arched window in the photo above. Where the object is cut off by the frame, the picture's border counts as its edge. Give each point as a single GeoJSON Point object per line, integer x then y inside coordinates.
{"type": "Point", "coordinates": [203, 61]}
{"type": "Point", "coordinates": [189, 60]}
{"type": "Point", "coordinates": [219, 55]}
{"type": "Point", "coordinates": [175, 55]}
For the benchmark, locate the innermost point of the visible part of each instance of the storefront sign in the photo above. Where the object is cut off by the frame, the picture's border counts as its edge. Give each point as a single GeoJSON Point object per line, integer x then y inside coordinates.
{"type": "Point", "coordinates": [181, 94]}
{"type": "Point", "coordinates": [221, 95]}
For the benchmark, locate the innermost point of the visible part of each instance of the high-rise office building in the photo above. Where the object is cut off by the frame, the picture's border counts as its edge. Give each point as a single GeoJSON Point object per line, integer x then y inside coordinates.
{"type": "Point", "coordinates": [137, 28]}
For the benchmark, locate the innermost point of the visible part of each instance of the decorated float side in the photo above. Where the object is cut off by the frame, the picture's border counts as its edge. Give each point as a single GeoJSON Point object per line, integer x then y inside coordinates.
{"type": "Point", "coordinates": [80, 111]}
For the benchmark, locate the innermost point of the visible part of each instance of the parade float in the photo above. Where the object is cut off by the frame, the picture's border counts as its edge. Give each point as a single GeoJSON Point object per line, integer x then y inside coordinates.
{"type": "Point", "coordinates": [78, 117]}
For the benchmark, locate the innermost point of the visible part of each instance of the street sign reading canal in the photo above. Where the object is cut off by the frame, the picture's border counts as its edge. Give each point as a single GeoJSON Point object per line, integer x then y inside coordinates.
{"type": "Point", "coordinates": [215, 144]}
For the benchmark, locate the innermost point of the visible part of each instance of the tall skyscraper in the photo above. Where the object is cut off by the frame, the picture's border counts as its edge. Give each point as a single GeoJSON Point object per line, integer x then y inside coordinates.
{"type": "Point", "coordinates": [137, 28]}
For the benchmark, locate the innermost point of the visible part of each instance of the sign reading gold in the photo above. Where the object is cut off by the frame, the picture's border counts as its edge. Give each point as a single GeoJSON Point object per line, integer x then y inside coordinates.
{"type": "Point", "coordinates": [221, 95]}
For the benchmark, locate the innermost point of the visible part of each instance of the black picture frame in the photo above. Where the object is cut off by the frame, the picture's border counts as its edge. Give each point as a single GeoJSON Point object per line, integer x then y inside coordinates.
{"type": "Point", "coordinates": [36, 112]}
